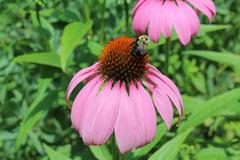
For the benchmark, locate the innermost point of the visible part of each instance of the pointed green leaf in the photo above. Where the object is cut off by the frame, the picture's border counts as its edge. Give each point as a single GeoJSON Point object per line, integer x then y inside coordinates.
{"type": "Point", "coordinates": [72, 36]}
{"type": "Point", "coordinates": [220, 57]}
{"type": "Point", "coordinates": [170, 149]}
{"type": "Point", "coordinates": [45, 58]}
{"type": "Point", "coordinates": [210, 108]}
{"type": "Point", "coordinates": [101, 152]}
{"type": "Point", "coordinates": [54, 155]}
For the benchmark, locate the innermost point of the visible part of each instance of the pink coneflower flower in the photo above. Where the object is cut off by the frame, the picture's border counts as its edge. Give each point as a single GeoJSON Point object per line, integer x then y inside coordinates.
{"type": "Point", "coordinates": [161, 16]}
{"type": "Point", "coordinates": [120, 94]}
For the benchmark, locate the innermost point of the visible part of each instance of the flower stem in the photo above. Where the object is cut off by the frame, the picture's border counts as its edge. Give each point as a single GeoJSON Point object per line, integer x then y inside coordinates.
{"type": "Point", "coordinates": [121, 156]}
{"type": "Point", "coordinates": [126, 8]}
{"type": "Point", "coordinates": [102, 23]}
{"type": "Point", "coordinates": [167, 54]}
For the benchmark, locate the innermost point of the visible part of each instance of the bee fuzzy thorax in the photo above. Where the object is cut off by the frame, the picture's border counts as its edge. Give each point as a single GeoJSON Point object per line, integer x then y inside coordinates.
{"type": "Point", "coordinates": [123, 59]}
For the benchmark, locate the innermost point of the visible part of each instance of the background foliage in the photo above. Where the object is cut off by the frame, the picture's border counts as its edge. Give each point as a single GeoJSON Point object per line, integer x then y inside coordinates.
{"type": "Point", "coordinates": [43, 43]}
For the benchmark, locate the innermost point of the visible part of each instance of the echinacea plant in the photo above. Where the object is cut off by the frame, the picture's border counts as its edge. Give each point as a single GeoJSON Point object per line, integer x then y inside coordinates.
{"type": "Point", "coordinates": [121, 93]}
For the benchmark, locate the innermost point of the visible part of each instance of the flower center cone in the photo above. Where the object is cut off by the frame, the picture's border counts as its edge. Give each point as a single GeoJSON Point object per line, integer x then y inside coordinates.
{"type": "Point", "coordinates": [118, 64]}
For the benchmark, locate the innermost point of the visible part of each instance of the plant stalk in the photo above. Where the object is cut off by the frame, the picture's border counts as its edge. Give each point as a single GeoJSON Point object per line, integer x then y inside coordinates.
{"type": "Point", "coordinates": [126, 8]}
{"type": "Point", "coordinates": [167, 54]}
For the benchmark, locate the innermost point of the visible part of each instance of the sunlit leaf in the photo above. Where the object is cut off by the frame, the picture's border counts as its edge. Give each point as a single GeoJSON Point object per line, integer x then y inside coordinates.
{"type": "Point", "coordinates": [72, 36]}
{"type": "Point", "coordinates": [45, 58]}
{"type": "Point", "coordinates": [54, 155]}
{"type": "Point", "coordinates": [101, 152]}
{"type": "Point", "coordinates": [211, 154]}
{"type": "Point", "coordinates": [220, 57]}
{"type": "Point", "coordinates": [170, 149]}
{"type": "Point", "coordinates": [210, 108]}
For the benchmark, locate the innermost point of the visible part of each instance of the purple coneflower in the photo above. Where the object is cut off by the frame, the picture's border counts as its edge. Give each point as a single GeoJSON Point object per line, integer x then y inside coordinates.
{"type": "Point", "coordinates": [120, 94]}
{"type": "Point", "coordinates": [161, 16]}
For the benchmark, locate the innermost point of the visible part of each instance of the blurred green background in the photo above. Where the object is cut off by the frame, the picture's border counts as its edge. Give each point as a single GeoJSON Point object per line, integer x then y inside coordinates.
{"type": "Point", "coordinates": [43, 43]}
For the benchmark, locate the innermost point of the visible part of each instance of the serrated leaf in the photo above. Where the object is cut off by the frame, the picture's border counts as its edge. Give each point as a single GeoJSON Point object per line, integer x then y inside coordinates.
{"type": "Point", "coordinates": [220, 57]}
{"type": "Point", "coordinates": [45, 58]}
{"type": "Point", "coordinates": [101, 152]}
{"type": "Point", "coordinates": [210, 108]}
{"type": "Point", "coordinates": [170, 149]}
{"type": "Point", "coordinates": [72, 36]}
{"type": "Point", "coordinates": [54, 155]}
{"type": "Point", "coordinates": [203, 29]}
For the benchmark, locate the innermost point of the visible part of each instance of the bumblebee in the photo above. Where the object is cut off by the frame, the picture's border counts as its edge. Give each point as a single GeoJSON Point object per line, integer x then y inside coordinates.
{"type": "Point", "coordinates": [140, 46]}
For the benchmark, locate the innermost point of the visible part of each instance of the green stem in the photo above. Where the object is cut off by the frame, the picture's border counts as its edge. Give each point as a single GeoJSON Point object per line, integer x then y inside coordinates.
{"type": "Point", "coordinates": [102, 25]}
{"type": "Point", "coordinates": [167, 54]}
{"type": "Point", "coordinates": [121, 156]}
{"type": "Point", "coordinates": [126, 7]}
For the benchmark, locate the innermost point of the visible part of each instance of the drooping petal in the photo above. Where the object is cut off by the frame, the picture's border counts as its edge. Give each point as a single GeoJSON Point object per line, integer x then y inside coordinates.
{"type": "Point", "coordinates": [78, 77]}
{"type": "Point", "coordinates": [164, 106]}
{"type": "Point", "coordinates": [145, 113]}
{"type": "Point", "coordinates": [100, 118]}
{"type": "Point", "coordinates": [191, 16]}
{"type": "Point", "coordinates": [156, 23]}
{"type": "Point", "coordinates": [167, 80]}
{"type": "Point", "coordinates": [126, 128]}
{"type": "Point", "coordinates": [181, 24]}
{"type": "Point", "coordinates": [141, 17]}
{"type": "Point", "coordinates": [91, 98]}
{"type": "Point", "coordinates": [167, 18]}
{"type": "Point", "coordinates": [79, 102]}
{"type": "Point", "coordinates": [164, 87]}
{"type": "Point", "coordinates": [207, 7]}
{"type": "Point", "coordinates": [138, 4]}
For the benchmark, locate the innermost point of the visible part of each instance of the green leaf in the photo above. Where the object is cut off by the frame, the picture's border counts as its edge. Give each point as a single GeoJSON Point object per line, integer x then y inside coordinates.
{"type": "Point", "coordinates": [170, 149]}
{"type": "Point", "coordinates": [101, 152]}
{"type": "Point", "coordinates": [161, 131]}
{"type": "Point", "coordinates": [45, 58]}
{"type": "Point", "coordinates": [35, 112]}
{"type": "Point", "coordinates": [72, 36]}
{"type": "Point", "coordinates": [203, 29]}
{"type": "Point", "coordinates": [220, 57]}
{"type": "Point", "coordinates": [95, 48]}
{"type": "Point", "coordinates": [53, 155]}
{"type": "Point", "coordinates": [199, 82]}
{"type": "Point", "coordinates": [211, 154]}
{"type": "Point", "coordinates": [210, 108]}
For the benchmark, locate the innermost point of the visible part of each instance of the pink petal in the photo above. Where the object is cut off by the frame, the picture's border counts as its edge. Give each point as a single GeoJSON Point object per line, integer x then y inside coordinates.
{"type": "Point", "coordinates": [99, 120]}
{"type": "Point", "coordinates": [136, 120]}
{"type": "Point", "coordinates": [164, 86]}
{"type": "Point", "coordinates": [79, 102]}
{"type": "Point", "coordinates": [141, 17]}
{"type": "Point", "coordinates": [126, 128]}
{"type": "Point", "coordinates": [207, 8]}
{"type": "Point", "coordinates": [167, 80]}
{"type": "Point", "coordinates": [167, 18]}
{"type": "Point", "coordinates": [164, 107]}
{"type": "Point", "coordinates": [88, 100]}
{"type": "Point", "coordinates": [78, 77]}
{"type": "Point", "coordinates": [145, 113]}
{"type": "Point", "coordinates": [139, 3]}
{"type": "Point", "coordinates": [181, 25]}
{"type": "Point", "coordinates": [156, 23]}
{"type": "Point", "coordinates": [191, 16]}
